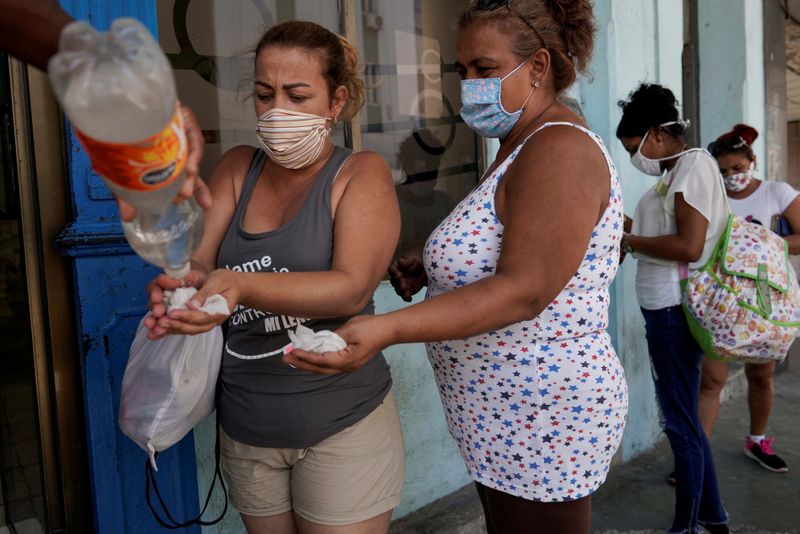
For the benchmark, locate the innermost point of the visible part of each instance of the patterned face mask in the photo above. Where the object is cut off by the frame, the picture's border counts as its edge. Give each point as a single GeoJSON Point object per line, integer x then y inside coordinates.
{"type": "Point", "coordinates": [292, 139]}
{"type": "Point", "coordinates": [482, 109]}
{"type": "Point", "coordinates": [739, 181]}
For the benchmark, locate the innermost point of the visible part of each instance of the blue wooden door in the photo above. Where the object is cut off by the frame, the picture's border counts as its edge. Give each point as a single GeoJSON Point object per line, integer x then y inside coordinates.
{"type": "Point", "coordinates": [110, 284]}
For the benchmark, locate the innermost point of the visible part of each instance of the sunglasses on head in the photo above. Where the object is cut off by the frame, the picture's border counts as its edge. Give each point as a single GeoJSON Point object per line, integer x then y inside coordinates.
{"type": "Point", "coordinates": [734, 143]}
{"type": "Point", "coordinates": [488, 5]}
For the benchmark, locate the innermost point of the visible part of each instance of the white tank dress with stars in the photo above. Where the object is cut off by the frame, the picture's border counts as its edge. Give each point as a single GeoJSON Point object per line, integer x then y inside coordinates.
{"type": "Point", "coordinates": [537, 408]}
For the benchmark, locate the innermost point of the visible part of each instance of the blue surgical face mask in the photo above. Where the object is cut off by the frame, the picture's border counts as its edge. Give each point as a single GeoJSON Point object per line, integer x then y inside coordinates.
{"type": "Point", "coordinates": [482, 109]}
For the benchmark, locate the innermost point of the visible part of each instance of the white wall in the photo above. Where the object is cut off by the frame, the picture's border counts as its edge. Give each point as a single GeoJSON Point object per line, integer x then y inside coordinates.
{"type": "Point", "coordinates": [638, 41]}
{"type": "Point", "coordinates": [732, 69]}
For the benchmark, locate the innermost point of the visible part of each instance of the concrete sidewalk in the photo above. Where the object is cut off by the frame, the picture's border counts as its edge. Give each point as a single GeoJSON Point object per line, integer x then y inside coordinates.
{"type": "Point", "coordinates": [637, 499]}
{"type": "Point", "coordinates": [636, 495]}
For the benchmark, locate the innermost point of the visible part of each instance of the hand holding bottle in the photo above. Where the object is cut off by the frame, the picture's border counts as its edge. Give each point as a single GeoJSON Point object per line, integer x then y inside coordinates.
{"type": "Point", "coordinates": [118, 91]}
{"type": "Point", "coordinates": [193, 185]}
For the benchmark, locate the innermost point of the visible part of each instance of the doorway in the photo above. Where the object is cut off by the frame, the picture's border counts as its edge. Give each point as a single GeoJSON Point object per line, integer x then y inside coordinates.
{"type": "Point", "coordinates": [43, 486]}
{"type": "Point", "coordinates": [21, 503]}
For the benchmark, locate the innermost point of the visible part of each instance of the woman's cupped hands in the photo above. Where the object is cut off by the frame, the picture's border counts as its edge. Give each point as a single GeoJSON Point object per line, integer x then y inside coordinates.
{"type": "Point", "coordinates": [365, 335]}
{"type": "Point", "coordinates": [192, 320]}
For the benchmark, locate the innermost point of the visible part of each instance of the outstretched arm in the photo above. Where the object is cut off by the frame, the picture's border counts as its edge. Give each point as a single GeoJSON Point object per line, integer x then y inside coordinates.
{"type": "Point", "coordinates": [366, 228]}
{"type": "Point", "coordinates": [554, 193]}
{"type": "Point", "coordinates": [29, 29]}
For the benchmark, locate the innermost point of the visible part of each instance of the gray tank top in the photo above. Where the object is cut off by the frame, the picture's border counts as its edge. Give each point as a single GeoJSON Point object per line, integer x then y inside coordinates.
{"type": "Point", "coordinates": [264, 402]}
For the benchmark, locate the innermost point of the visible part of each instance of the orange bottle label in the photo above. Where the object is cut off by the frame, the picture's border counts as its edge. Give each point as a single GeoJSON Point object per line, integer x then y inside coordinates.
{"type": "Point", "coordinates": [147, 165]}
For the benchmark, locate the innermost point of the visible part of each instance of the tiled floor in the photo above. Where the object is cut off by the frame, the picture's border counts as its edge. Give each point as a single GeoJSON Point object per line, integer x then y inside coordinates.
{"type": "Point", "coordinates": [19, 452]}
{"type": "Point", "coordinates": [20, 468]}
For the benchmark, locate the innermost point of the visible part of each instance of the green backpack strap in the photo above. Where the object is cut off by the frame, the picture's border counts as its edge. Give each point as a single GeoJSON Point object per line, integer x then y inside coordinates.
{"type": "Point", "coordinates": [762, 288]}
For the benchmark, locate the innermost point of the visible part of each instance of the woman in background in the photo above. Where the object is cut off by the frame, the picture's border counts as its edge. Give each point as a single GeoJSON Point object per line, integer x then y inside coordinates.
{"type": "Point", "coordinates": [677, 224]}
{"type": "Point", "coordinates": [772, 204]}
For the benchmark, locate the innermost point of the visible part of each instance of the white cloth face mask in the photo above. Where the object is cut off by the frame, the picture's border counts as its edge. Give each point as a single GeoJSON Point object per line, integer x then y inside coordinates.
{"type": "Point", "coordinates": [652, 166]}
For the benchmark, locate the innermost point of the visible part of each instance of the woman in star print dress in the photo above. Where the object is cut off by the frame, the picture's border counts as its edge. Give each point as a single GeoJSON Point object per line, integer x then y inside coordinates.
{"type": "Point", "coordinates": [517, 305]}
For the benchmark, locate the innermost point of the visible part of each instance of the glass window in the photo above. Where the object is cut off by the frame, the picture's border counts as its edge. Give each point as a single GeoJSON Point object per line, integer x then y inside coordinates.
{"type": "Point", "coordinates": [411, 115]}
{"type": "Point", "coordinates": [210, 45]}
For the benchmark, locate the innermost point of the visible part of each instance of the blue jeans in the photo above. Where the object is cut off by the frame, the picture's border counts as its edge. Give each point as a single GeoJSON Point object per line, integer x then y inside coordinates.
{"type": "Point", "coordinates": [676, 358]}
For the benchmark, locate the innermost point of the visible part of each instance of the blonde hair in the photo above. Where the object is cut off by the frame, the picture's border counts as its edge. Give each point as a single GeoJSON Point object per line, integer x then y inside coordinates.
{"type": "Point", "coordinates": [338, 57]}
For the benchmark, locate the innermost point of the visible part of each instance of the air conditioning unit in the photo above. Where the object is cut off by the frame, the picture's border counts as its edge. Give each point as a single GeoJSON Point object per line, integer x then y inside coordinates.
{"type": "Point", "coordinates": [373, 21]}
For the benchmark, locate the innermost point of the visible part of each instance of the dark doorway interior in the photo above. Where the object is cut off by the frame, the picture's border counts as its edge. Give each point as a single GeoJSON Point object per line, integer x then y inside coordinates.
{"type": "Point", "coordinates": [21, 503]}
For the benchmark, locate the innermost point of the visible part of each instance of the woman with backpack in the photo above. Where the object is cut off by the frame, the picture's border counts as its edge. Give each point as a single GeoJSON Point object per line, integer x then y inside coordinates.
{"type": "Point", "coordinates": [777, 206]}
{"type": "Point", "coordinates": [676, 226]}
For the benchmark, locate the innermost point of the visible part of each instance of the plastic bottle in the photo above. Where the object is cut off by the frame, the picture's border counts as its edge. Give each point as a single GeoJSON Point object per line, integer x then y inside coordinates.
{"type": "Point", "coordinates": [118, 90]}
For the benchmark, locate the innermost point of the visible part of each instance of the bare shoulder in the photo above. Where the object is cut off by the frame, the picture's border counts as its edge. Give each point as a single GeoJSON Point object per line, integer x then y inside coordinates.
{"type": "Point", "coordinates": [565, 154]}
{"type": "Point", "coordinates": [228, 176]}
{"type": "Point", "coordinates": [366, 167]}
{"type": "Point", "coordinates": [233, 164]}
{"type": "Point", "coordinates": [365, 181]}
{"type": "Point", "coordinates": [564, 140]}
{"type": "Point", "coordinates": [559, 165]}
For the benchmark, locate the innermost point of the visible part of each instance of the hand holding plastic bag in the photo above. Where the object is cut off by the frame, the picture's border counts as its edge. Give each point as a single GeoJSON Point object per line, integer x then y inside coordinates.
{"type": "Point", "coordinates": [169, 384]}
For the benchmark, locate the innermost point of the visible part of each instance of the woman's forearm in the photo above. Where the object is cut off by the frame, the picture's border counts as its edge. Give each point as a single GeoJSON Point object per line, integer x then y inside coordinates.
{"type": "Point", "coordinates": [306, 294]}
{"type": "Point", "coordinates": [489, 304]}
{"type": "Point", "coordinates": [30, 29]}
{"type": "Point", "coordinates": [794, 243]}
{"type": "Point", "coordinates": [666, 247]}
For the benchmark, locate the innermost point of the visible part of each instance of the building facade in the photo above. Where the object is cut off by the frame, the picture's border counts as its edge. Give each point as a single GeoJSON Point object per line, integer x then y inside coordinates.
{"type": "Point", "coordinates": [74, 293]}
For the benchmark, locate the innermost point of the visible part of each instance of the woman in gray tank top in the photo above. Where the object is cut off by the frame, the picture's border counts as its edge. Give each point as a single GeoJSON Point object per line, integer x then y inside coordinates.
{"type": "Point", "coordinates": [300, 232]}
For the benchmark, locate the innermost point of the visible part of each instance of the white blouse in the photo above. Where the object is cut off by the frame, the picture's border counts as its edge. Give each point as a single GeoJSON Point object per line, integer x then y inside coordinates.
{"type": "Point", "coordinates": [696, 176]}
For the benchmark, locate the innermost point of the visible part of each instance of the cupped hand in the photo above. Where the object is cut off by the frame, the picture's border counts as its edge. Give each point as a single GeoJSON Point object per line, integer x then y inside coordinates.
{"type": "Point", "coordinates": [156, 298]}
{"type": "Point", "coordinates": [407, 275]}
{"type": "Point", "coordinates": [191, 320]}
{"type": "Point", "coordinates": [193, 185]}
{"type": "Point", "coordinates": [366, 335]}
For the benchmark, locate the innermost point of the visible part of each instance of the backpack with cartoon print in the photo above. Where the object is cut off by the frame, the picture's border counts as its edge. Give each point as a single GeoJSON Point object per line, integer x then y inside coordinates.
{"type": "Point", "coordinates": [744, 303]}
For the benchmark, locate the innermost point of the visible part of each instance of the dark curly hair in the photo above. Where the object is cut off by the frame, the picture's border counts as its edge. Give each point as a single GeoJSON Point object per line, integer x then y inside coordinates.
{"type": "Point", "coordinates": [648, 106]}
{"type": "Point", "coordinates": [565, 28]}
{"type": "Point", "coordinates": [738, 141]}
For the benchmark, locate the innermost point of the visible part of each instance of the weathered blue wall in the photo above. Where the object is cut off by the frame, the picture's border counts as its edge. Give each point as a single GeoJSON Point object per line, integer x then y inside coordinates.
{"type": "Point", "coordinates": [638, 41]}
{"type": "Point", "coordinates": [642, 41]}
{"type": "Point", "coordinates": [732, 69]}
